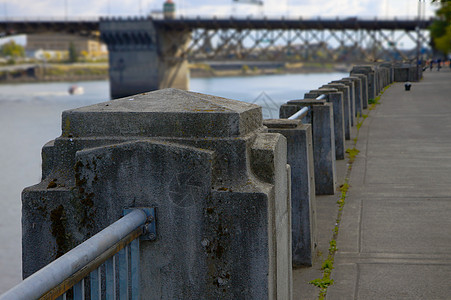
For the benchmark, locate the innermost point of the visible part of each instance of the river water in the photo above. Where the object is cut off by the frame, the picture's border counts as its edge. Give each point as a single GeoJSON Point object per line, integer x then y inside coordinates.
{"type": "Point", "coordinates": [30, 116]}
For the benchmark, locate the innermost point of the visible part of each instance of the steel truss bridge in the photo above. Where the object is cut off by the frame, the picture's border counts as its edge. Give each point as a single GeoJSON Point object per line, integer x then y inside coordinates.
{"type": "Point", "coordinates": [349, 39]}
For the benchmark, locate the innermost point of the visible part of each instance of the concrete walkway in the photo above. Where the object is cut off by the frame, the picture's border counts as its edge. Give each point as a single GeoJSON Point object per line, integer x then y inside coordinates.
{"type": "Point", "coordinates": [394, 239]}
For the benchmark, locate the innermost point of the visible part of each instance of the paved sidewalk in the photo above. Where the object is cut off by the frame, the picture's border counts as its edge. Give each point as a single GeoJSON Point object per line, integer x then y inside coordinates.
{"type": "Point", "coordinates": [394, 240]}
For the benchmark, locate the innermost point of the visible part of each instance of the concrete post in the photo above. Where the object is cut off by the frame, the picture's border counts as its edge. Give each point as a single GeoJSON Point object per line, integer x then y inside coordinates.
{"type": "Point", "coordinates": [382, 75]}
{"type": "Point", "coordinates": [352, 96]}
{"type": "Point", "coordinates": [344, 88]}
{"type": "Point", "coordinates": [364, 90]}
{"type": "Point", "coordinates": [405, 72]}
{"type": "Point", "coordinates": [358, 87]}
{"type": "Point", "coordinates": [219, 182]}
{"type": "Point", "coordinates": [143, 57]}
{"type": "Point", "coordinates": [371, 81]}
{"type": "Point", "coordinates": [320, 115]}
{"type": "Point", "coordinates": [390, 71]}
{"type": "Point", "coordinates": [336, 98]}
{"type": "Point", "coordinates": [378, 80]}
{"type": "Point", "coordinates": [303, 201]}
{"type": "Point", "coordinates": [400, 73]}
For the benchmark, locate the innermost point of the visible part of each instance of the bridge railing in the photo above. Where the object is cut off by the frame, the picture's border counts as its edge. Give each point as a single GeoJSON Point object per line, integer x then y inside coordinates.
{"type": "Point", "coordinates": [69, 273]}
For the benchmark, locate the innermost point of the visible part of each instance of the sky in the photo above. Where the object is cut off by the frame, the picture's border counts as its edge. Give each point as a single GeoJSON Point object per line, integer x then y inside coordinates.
{"type": "Point", "coordinates": [45, 9]}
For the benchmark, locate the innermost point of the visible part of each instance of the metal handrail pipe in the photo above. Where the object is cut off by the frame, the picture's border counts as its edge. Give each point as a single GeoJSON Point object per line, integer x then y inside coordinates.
{"type": "Point", "coordinates": [303, 112]}
{"type": "Point", "coordinates": [54, 273]}
{"type": "Point", "coordinates": [300, 114]}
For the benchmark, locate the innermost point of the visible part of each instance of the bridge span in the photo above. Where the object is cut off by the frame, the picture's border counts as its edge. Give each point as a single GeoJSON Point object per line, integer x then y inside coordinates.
{"type": "Point", "coordinates": [148, 53]}
{"type": "Point", "coordinates": [81, 26]}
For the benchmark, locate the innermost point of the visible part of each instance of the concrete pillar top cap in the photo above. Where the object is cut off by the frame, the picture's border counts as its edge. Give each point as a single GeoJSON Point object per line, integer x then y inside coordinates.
{"type": "Point", "coordinates": [164, 113]}
{"type": "Point", "coordinates": [336, 85]}
{"type": "Point", "coordinates": [306, 102]}
{"type": "Point", "coordinates": [343, 81]}
{"type": "Point", "coordinates": [368, 68]}
{"type": "Point", "coordinates": [354, 77]}
{"type": "Point", "coordinates": [324, 90]}
{"type": "Point", "coordinates": [281, 123]}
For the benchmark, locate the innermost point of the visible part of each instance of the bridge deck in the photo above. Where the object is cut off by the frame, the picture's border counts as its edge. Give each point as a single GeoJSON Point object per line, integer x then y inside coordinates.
{"type": "Point", "coordinates": [8, 27]}
{"type": "Point", "coordinates": [319, 24]}
{"type": "Point", "coordinates": [394, 236]}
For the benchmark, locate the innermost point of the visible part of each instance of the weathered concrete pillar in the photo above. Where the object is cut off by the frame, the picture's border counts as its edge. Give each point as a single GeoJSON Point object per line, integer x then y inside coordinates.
{"type": "Point", "coordinates": [360, 91]}
{"type": "Point", "coordinates": [382, 78]}
{"type": "Point", "coordinates": [358, 88]}
{"type": "Point", "coordinates": [377, 80]}
{"type": "Point", "coordinates": [405, 72]}
{"type": "Point", "coordinates": [371, 81]}
{"type": "Point", "coordinates": [352, 96]}
{"type": "Point", "coordinates": [390, 72]}
{"type": "Point", "coordinates": [379, 74]}
{"type": "Point", "coordinates": [344, 88]}
{"type": "Point", "coordinates": [364, 81]}
{"type": "Point", "coordinates": [320, 115]}
{"type": "Point", "coordinates": [144, 57]}
{"type": "Point", "coordinates": [303, 201]}
{"type": "Point", "coordinates": [218, 180]}
{"type": "Point", "coordinates": [336, 98]}
{"type": "Point", "coordinates": [383, 70]}
{"type": "Point", "coordinates": [364, 90]}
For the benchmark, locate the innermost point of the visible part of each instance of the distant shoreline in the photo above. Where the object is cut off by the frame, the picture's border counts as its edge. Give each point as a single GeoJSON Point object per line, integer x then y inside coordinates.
{"type": "Point", "coordinates": [92, 72]}
{"type": "Point", "coordinates": [208, 71]}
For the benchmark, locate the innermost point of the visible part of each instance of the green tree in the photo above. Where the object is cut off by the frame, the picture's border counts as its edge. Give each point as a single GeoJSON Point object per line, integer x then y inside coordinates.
{"type": "Point", "coordinates": [73, 55]}
{"type": "Point", "coordinates": [441, 28]}
{"type": "Point", "coordinates": [12, 49]}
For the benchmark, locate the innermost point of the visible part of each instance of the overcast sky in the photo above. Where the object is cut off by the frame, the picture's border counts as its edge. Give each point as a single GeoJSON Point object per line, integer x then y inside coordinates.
{"type": "Point", "coordinates": [274, 8]}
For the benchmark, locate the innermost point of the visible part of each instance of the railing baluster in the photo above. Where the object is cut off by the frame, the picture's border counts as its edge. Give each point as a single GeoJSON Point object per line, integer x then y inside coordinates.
{"type": "Point", "coordinates": [123, 273]}
{"type": "Point", "coordinates": [79, 290]}
{"type": "Point", "coordinates": [110, 278]}
{"type": "Point", "coordinates": [62, 297]}
{"type": "Point", "coordinates": [134, 262]}
{"type": "Point", "coordinates": [95, 284]}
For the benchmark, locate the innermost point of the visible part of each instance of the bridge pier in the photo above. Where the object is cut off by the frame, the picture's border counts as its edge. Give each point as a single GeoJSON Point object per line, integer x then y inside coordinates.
{"type": "Point", "coordinates": [144, 57]}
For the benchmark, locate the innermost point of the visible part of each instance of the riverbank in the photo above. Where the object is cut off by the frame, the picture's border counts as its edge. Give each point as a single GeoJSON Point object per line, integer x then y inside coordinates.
{"type": "Point", "coordinates": [28, 73]}
{"type": "Point", "coordinates": [237, 68]}
{"type": "Point", "coordinates": [53, 72]}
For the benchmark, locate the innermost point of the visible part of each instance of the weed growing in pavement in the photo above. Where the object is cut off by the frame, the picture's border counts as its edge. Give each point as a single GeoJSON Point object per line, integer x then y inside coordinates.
{"type": "Point", "coordinates": [352, 154]}
{"type": "Point", "coordinates": [328, 264]}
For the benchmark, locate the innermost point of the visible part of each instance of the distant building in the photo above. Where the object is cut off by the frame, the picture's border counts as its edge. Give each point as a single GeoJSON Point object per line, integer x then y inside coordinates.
{"type": "Point", "coordinates": [57, 44]}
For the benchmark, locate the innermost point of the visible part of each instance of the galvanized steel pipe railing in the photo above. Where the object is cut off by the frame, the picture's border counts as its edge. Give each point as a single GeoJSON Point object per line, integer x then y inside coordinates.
{"type": "Point", "coordinates": [303, 111]}
{"type": "Point", "coordinates": [52, 275]}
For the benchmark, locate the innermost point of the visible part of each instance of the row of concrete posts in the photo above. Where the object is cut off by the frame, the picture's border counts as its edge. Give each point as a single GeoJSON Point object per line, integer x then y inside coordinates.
{"type": "Point", "coordinates": [234, 194]}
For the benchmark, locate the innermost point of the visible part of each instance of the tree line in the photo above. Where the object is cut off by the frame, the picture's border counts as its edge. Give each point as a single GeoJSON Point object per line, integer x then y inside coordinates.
{"type": "Point", "coordinates": [441, 28]}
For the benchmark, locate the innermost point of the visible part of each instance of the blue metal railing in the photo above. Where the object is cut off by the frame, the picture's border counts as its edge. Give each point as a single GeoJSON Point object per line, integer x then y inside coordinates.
{"type": "Point", "coordinates": [113, 252]}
